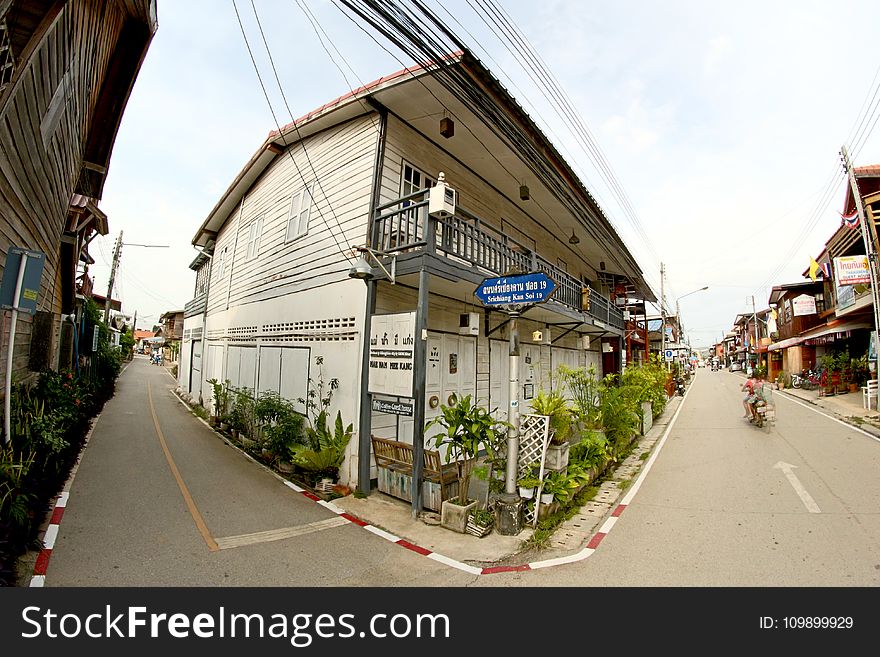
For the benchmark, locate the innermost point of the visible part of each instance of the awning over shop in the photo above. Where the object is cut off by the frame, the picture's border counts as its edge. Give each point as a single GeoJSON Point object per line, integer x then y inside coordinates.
{"type": "Point", "coordinates": [833, 327]}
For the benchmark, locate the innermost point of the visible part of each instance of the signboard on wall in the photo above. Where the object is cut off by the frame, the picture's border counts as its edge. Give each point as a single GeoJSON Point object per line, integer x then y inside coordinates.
{"type": "Point", "coordinates": [392, 346]}
{"type": "Point", "coordinates": [804, 305]}
{"type": "Point", "coordinates": [852, 270]}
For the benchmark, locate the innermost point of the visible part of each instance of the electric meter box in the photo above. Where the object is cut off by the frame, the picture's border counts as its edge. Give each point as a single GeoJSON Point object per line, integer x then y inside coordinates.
{"type": "Point", "coordinates": [441, 201]}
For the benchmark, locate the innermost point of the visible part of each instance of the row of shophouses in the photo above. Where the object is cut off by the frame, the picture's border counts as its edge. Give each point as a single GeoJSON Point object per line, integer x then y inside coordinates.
{"type": "Point", "coordinates": [829, 312]}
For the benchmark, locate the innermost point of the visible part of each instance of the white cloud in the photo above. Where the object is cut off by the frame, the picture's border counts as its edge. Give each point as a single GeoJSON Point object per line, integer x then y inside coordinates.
{"type": "Point", "coordinates": [718, 49]}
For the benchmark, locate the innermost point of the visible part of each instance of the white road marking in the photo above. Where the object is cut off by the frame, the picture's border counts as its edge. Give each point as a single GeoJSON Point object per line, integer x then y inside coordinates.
{"type": "Point", "coordinates": [808, 501]}
{"type": "Point", "coordinates": [278, 534]}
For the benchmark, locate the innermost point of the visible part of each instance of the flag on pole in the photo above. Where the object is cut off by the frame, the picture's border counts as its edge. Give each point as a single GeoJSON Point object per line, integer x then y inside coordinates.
{"type": "Point", "coordinates": [850, 220]}
{"type": "Point", "coordinates": [814, 268]}
{"type": "Point", "coordinates": [826, 270]}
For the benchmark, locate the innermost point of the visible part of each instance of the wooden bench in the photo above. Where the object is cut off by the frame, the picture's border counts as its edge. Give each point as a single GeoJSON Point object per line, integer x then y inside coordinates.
{"type": "Point", "coordinates": [394, 461]}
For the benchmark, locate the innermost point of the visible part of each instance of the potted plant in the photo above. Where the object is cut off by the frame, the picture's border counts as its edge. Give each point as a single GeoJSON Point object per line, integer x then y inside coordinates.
{"type": "Point", "coordinates": [468, 429]}
{"type": "Point", "coordinates": [554, 405]}
{"type": "Point", "coordinates": [527, 485]}
{"type": "Point", "coordinates": [221, 400]}
{"type": "Point", "coordinates": [480, 522]}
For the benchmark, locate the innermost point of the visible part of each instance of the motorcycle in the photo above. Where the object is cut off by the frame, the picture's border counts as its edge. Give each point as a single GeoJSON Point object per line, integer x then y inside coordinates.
{"type": "Point", "coordinates": [807, 380]}
{"type": "Point", "coordinates": [679, 386]}
{"type": "Point", "coordinates": [764, 407]}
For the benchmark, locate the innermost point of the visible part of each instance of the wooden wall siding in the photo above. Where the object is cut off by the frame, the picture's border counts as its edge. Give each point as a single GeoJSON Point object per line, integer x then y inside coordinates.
{"type": "Point", "coordinates": [474, 194]}
{"type": "Point", "coordinates": [341, 160]}
{"type": "Point", "coordinates": [37, 175]}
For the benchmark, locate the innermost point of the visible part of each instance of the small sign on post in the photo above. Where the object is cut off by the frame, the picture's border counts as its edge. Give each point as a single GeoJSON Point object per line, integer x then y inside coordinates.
{"type": "Point", "coordinates": [28, 294]}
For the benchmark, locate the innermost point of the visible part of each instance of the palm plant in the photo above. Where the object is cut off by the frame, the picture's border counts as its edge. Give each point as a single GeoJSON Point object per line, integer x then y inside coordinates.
{"type": "Point", "coordinates": [469, 428]}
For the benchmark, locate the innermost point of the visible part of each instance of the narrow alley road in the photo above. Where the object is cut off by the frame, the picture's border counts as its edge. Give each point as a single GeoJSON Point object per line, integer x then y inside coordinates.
{"type": "Point", "coordinates": [160, 500]}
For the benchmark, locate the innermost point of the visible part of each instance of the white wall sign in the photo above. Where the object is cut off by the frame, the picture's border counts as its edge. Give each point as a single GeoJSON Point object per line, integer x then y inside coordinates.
{"type": "Point", "coordinates": [392, 346]}
{"type": "Point", "coordinates": [804, 305]}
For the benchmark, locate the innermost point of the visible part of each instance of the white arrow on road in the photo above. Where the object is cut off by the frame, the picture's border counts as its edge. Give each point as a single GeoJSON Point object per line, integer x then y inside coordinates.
{"type": "Point", "coordinates": [808, 501]}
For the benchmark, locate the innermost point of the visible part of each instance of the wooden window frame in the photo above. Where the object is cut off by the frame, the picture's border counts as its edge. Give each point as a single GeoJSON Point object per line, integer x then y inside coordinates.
{"type": "Point", "coordinates": [255, 233]}
{"type": "Point", "coordinates": [297, 199]}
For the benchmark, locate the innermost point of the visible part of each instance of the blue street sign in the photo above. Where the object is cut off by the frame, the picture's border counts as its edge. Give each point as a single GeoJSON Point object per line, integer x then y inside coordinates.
{"type": "Point", "coordinates": [30, 287]}
{"type": "Point", "coordinates": [531, 288]}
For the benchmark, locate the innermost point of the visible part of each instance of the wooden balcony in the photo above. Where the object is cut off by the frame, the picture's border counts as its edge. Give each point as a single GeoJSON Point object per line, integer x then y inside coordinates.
{"type": "Point", "coordinates": [404, 227]}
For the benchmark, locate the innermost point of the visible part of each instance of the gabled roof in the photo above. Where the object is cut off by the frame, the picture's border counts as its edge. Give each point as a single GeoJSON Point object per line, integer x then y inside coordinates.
{"type": "Point", "coordinates": [496, 124]}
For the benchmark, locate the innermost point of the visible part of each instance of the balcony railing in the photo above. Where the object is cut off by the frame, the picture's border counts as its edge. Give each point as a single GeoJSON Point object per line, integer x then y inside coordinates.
{"type": "Point", "coordinates": [400, 226]}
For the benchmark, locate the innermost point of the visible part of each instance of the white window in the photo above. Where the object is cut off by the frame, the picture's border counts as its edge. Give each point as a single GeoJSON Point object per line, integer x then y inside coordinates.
{"type": "Point", "coordinates": [414, 180]}
{"type": "Point", "coordinates": [298, 216]}
{"type": "Point", "coordinates": [254, 233]}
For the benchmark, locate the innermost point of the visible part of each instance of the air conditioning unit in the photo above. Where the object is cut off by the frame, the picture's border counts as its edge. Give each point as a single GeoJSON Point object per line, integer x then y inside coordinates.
{"type": "Point", "coordinates": [469, 324]}
{"type": "Point", "coordinates": [441, 199]}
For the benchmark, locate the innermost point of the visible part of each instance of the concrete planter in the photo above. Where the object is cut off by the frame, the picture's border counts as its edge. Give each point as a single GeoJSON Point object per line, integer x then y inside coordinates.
{"type": "Point", "coordinates": [455, 517]}
{"type": "Point", "coordinates": [647, 420]}
{"type": "Point", "coordinates": [557, 457]}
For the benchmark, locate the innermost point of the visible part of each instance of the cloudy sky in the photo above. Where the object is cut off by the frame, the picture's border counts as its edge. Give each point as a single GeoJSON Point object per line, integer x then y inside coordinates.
{"type": "Point", "coordinates": [722, 126]}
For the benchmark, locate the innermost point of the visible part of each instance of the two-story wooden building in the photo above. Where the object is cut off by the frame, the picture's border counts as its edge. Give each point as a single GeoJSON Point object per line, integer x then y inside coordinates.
{"type": "Point", "coordinates": [325, 245]}
{"type": "Point", "coordinates": [66, 72]}
{"type": "Point", "coordinates": [799, 307]}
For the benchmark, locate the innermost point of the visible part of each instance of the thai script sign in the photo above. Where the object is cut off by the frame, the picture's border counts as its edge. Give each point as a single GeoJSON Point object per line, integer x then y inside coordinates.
{"type": "Point", "coordinates": [392, 346]}
{"type": "Point", "coordinates": [536, 287]}
{"type": "Point", "coordinates": [852, 270]}
{"type": "Point", "coordinates": [804, 305]}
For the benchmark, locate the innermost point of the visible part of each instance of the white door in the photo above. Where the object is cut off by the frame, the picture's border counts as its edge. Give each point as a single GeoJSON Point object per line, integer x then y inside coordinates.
{"type": "Point", "coordinates": [451, 373]}
{"type": "Point", "coordinates": [195, 373]}
{"type": "Point", "coordinates": [499, 378]}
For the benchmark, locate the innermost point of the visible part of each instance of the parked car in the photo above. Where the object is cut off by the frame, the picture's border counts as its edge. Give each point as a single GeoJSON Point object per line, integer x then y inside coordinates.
{"type": "Point", "coordinates": [736, 367]}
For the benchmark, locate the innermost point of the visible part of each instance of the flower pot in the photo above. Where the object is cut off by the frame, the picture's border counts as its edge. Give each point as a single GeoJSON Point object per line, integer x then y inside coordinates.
{"type": "Point", "coordinates": [455, 516]}
{"type": "Point", "coordinates": [546, 498]}
{"type": "Point", "coordinates": [526, 493]}
{"type": "Point", "coordinates": [477, 530]}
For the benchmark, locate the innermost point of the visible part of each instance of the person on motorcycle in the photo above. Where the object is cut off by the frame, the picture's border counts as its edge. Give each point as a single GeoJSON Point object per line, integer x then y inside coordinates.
{"type": "Point", "coordinates": [750, 388]}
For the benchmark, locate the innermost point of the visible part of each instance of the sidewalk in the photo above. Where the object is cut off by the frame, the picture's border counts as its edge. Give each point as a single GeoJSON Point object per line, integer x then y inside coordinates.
{"type": "Point", "coordinates": [570, 538]}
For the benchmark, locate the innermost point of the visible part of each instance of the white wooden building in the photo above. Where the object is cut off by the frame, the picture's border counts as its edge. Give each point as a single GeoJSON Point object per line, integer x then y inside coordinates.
{"type": "Point", "coordinates": [274, 288]}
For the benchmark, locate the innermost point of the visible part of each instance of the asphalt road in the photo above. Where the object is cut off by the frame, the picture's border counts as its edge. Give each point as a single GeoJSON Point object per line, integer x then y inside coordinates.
{"type": "Point", "coordinates": [726, 504]}
{"type": "Point", "coordinates": [159, 500]}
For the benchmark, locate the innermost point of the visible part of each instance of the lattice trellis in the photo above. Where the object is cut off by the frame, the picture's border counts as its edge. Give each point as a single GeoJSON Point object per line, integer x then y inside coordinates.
{"type": "Point", "coordinates": [534, 439]}
{"type": "Point", "coordinates": [534, 436]}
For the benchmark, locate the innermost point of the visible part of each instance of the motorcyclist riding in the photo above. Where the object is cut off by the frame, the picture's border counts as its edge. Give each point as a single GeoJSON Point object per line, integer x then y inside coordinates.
{"type": "Point", "coordinates": [750, 388]}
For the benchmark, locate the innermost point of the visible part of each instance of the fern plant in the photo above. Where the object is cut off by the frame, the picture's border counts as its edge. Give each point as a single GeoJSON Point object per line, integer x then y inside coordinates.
{"type": "Point", "coordinates": [554, 405]}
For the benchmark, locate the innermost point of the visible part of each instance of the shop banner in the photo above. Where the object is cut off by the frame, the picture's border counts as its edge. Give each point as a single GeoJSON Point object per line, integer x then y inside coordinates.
{"type": "Point", "coordinates": [804, 305]}
{"type": "Point", "coordinates": [852, 270]}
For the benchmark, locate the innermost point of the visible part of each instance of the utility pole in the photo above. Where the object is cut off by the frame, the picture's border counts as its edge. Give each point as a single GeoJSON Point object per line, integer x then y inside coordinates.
{"type": "Point", "coordinates": [870, 245]}
{"type": "Point", "coordinates": [663, 315]}
{"type": "Point", "coordinates": [116, 251]}
{"type": "Point", "coordinates": [755, 322]}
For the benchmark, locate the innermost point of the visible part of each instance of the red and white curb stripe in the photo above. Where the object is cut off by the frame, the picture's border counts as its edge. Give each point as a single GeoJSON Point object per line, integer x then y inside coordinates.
{"type": "Point", "coordinates": [38, 579]}
{"type": "Point", "coordinates": [42, 564]}
{"type": "Point", "coordinates": [492, 570]}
